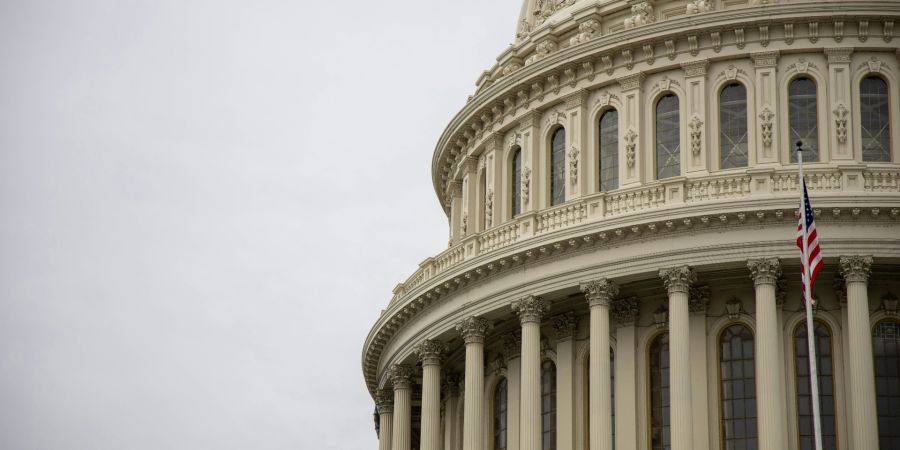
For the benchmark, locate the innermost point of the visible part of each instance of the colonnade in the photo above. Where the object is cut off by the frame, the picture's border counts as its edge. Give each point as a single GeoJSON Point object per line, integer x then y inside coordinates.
{"type": "Point", "coordinates": [688, 430]}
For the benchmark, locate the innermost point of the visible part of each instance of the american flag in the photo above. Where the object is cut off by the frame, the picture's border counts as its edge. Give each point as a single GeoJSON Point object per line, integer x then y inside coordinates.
{"type": "Point", "coordinates": [814, 256]}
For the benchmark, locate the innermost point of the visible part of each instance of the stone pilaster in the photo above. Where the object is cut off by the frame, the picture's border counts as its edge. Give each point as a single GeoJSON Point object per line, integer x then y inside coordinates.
{"type": "Point", "coordinates": [678, 281]}
{"type": "Point", "coordinates": [631, 163]}
{"type": "Point", "coordinates": [856, 270]}
{"type": "Point", "coordinates": [473, 330]}
{"type": "Point", "coordinates": [625, 311]}
{"type": "Point", "coordinates": [771, 425]}
{"type": "Point", "coordinates": [839, 102]}
{"type": "Point", "coordinates": [766, 133]}
{"type": "Point", "coordinates": [530, 310]}
{"type": "Point", "coordinates": [384, 401]}
{"type": "Point", "coordinates": [565, 325]}
{"type": "Point", "coordinates": [452, 425]}
{"type": "Point", "coordinates": [695, 105]}
{"type": "Point", "coordinates": [600, 294]}
{"type": "Point", "coordinates": [431, 353]}
{"type": "Point", "coordinates": [401, 377]}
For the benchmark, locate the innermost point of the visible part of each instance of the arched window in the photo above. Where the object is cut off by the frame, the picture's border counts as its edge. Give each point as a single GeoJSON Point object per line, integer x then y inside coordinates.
{"type": "Point", "coordinates": [482, 187]}
{"type": "Point", "coordinates": [825, 367]}
{"type": "Point", "coordinates": [803, 118]}
{"type": "Point", "coordinates": [660, 435]}
{"type": "Point", "coordinates": [609, 151]}
{"type": "Point", "coordinates": [548, 405]}
{"type": "Point", "coordinates": [500, 415]}
{"type": "Point", "coordinates": [875, 119]}
{"type": "Point", "coordinates": [733, 126]}
{"type": "Point", "coordinates": [516, 187]}
{"type": "Point", "coordinates": [738, 388]}
{"type": "Point", "coordinates": [886, 349]}
{"type": "Point", "coordinates": [558, 167]}
{"type": "Point", "coordinates": [668, 139]}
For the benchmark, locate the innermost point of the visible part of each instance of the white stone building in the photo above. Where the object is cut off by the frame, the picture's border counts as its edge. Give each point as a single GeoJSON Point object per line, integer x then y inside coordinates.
{"type": "Point", "coordinates": [622, 197]}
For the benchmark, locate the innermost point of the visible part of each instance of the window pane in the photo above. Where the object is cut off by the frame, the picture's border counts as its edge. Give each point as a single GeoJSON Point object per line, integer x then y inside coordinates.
{"type": "Point", "coordinates": [500, 416]}
{"type": "Point", "coordinates": [733, 126]}
{"type": "Point", "coordinates": [738, 388]}
{"type": "Point", "coordinates": [517, 182]}
{"type": "Point", "coordinates": [826, 393]}
{"type": "Point", "coordinates": [548, 405]}
{"type": "Point", "coordinates": [659, 393]}
{"type": "Point", "coordinates": [558, 167]}
{"type": "Point", "coordinates": [886, 349]}
{"type": "Point", "coordinates": [668, 140]}
{"type": "Point", "coordinates": [875, 120]}
{"type": "Point", "coordinates": [803, 118]}
{"type": "Point", "coordinates": [609, 151]}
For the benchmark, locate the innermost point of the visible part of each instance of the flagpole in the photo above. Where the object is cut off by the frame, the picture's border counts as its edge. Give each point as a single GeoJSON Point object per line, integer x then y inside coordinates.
{"type": "Point", "coordinates": [807, 292]}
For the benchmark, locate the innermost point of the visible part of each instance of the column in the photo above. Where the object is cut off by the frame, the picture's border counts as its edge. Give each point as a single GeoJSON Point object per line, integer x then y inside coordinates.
{"type": "Point", "coordinates": [630, 121]}
{"type": "Point", "coordinates": [431, 353]}
{"type": "Point", "coordinates": [512, 348]}
{"type": "Point", "coordinates": [625, 312]}
{"type": "Point", "coordinates": [600, 294]}
{"type": "Point", "coordinates": [454, 199]}
{"type": "Point", "coordinates": [839, 103]}
{"type": "Point", "coordinates": [471, 201]}
{"type": "Point", "coordinates": [766, 133]}
{"type": "Point", "coordinates": [564, 325]}
{"type": "Point", "coordinates": [530, 310]}
{"type": "Point", "coordinates": [452, 431]}
{"type": "Point", "coordinates": [855, 270]}
{"type": "Point", "coordinates": [697, 303]}
{"type": "Point", "coordinates": [678, 281]}
{"type": "Point", "coordinates": [473, 330]}
{"type": "Point", "coordinates": [533, 191]}
{"type": "Point", "coordinates": [384, 401]}
{"type": "Point", "coordinates": [771, 423]}
{"type": "Point", "coordinates": [695, 104]}
{"type": "Point", "coordinates": [577, 153]}
{"type": "Point", "coordinates": [401, 377]}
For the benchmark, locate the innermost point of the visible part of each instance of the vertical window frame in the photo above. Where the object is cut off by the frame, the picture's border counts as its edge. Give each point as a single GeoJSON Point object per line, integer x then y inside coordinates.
{"type": "Point", "coordinates": [672, 120]}
{"type": "Point", "coordinates": [733, 132]}
{"type": "Point", "coordinates": [557, 166]}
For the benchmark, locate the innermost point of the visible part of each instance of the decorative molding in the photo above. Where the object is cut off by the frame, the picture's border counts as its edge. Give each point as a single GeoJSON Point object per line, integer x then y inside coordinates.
{"type": "Point", "coordinates": [512, 344]}
{"type": "Point", "coordinates": [497, 365]}
{"type": "Point", "coordinates": [641, 14]}
{"type": "Point", "coordinates": [649, 56]}
{"type": "Point", "coordinates": [678, 279]}
{"type": "Point", "coordinates": [698, 7]}
{"type": "Point", "coordinates": [764, 59]}
{"type": "Point", "coordinates": [451, 384]}
{"type": "Point", "coordinates": [764, 271]}
{"type": "Point", "coordinates": [526, 184]}
{"type": "Point", "coordinates": [802, 66]}
{"type": "Point", "coordinates": [473, 329]}
{"type": "Point", "coordinates": [401, 376]}
{"type": "Point", "coordinates": [696, 126]}
{"type": "Point", "coordinates": [587, 30]}
{"type": "Point", "coordinates": [698, 300]}
{"type": "Point", "coordinates": [384, 401]}
{"type": "Point", "coordinates": [600, 292]}
{"type": "Point", "coordinates": [813, 32]}
{"type": "Point", "coordinates": [788, 33]}
{"type": "Point", "coordinates": [889, 304]}
{"type": "Point", "coordinates": [716, 38]}
{"type": "Point", "coordinates": [838, 30]}
{"type": "Point", "coordinates": [856, 269]}
{"type": "Point", "coordinates": [734, 308]}
{"type": "Point", "coordinates": [780, 292]}
{"type": "Point", "coordinates": [625, 311]}
{"type": "Point", "coordinates": [488, 207]}
{"type": "Point", "coordinates": [603, 99]}
{"type": "Point", "coordinates": [573, 165]}
{"type": "Point", "coordinates": [875, 65]}
{"type": "Point", "coordinates": [695, 68]}
{"type": "Point", "coordinates": [631, 82]}
{"type": "Point", "coordinates": [565, 325]}
{"type": "Point", "coordinates": [530, 309]}
{"type": "Point", "coordinates": [766, 124]}
{"type": "Point", "coordinates": [840, 122]}
{"type": "Point", "coordinates": [541, 51]}
{"type": "Point", "coordinates": [840, 55]}
{"type": "Point", "coordinates": [630, 147]}
{"type": "Point", "coordinates": [546, 8]}
{"type": "Point", "coordinates": [863, 30]}
{"type": "Point", "coordinates": [839, 285]}
{"type": "Point", "coordinates": [431, 352]}
{"type": "Point", "coordinates": [888, 30]}
{"type": "Point", "coordinates": [464, 223]}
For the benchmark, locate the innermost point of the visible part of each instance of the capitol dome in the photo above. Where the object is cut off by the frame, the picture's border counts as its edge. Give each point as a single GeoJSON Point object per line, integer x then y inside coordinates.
{"type": "Point", "coordinates": [622, 196]}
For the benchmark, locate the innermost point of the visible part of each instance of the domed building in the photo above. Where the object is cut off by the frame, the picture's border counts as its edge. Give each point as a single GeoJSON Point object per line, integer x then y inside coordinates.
{"type": "Point", "coordinates": [622, 273]}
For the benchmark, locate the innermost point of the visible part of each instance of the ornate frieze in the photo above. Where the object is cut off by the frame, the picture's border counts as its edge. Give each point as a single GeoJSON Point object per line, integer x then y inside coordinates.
{"type": "Point", "coordinates": [600, 292]}
{"type": "Point", "coordinates": [698, 7]}
{"type": "Point", "coordinates": [856, 268]}
{"type": "Point", "coordinates": [696, 126]}
{"type": "Point", "coordinates": [632, 81]}
{"type": "Point", "coordinates": [401, 375]}
{"type": "Point", "coordinates": [764, 59]}
{"type": "Point", "coordinates": [384, 401]}
{"type": "Point", "coordinates": [839, 55]}
{"type": "Point", "coordinates": [541, 51]}
{"type": "Point", "coordinates": [678, 279]}
{"type": "Point", "coordinates": [565, 325]}
{"type": "Point", "coordinates": [625, 311]}
{"type": "Point", "coordinates": [698, 300]}
{"type": "Point", "coordinates": [641, 14]}
{"type": "Point", "coordinates": [530, 309]}
{"type": "Point", "coordinates": [512, 344]}
{"type": "Point", "coordinates": [766, 122]}
{"type": "Point", "coordinates": [840, 122]}
{"type": "Point", "coordinates": [695, 68]}
{"type": "Point", "coordinates": [473, 329]}
{"type": "Point", "coordinates": [587, 30]}
{"type": "Point", "coordinates": [431, 352]}
{"type": "Point", "coordinates": [764, 271]}
{"type": "Point", "coordinates": [630, 147]}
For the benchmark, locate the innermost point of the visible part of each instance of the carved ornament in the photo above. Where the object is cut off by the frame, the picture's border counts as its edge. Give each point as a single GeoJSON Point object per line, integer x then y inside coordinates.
{"type": "Point", "coordinates": [530, 309]}
{"type": "Point", "coordinates": [764, 271]}
{"type": "Point", "coordinates": [696, 126]}
{"type": "Point", "coordinates": [625, 311]}
{"type": "Point", "coordinates": [600, 292]}
{"type": "Point", "coordinates": [401, 376]}
{"type": "Point", "coordinates": [431, 352]}
{"type": "Point", "coordinates": [840, 122]}
{"type": "Point", "coordinates": [678, 279]}
{"type": "Point", "coordinates": [473, 329]}
{"type": "Point", "coordinates": [565, 325]}
{"type": "Point", "coordinates": [856, 269]}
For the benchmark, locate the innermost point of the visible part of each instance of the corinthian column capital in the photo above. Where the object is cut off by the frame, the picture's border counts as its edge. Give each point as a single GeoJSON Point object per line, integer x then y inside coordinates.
{"type": "Point", "coordinates": [530, 309]}
{"type": "Point", "coordinates": [678, 279]}
{"type": "Point", "coordinates": [384, 401]}
{"type": "Point", "coordinates": [625, 311]}
{"type": "Point", "coordinates": [565, 325]}
{"type": "Point", "coordinates": [401, 375]}
{"type": "Point", "coordinates": [600, 292]}
{"type": "Point", "coordinates": [856, 268]}
{"type": "Point", "coordinates": [472, 329]}
{"type": "Point", "coordinates": [431, 352]}
{"type": "Point", "coordinates": [764, 271]}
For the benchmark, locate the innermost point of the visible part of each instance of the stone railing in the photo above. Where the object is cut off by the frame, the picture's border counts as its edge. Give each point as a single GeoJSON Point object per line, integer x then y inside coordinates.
{"type": "Point", "coordinates": [669, 194]}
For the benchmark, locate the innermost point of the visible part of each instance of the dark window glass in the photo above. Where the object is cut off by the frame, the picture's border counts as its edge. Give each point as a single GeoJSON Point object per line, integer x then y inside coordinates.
{"type": "Point", "coordinates": [517, 182]}
{"type": "Point", "coordinates": [668, 140]}
{"type": "Point", "coordinates": [500, 416]}
{"type": "Point", "coordinates": [558, 167]}
{"type": "Point", "coordinates": [875, 119]}
{"type": "Point", "coordinates": [825, 367]}
{"type": "Point", "coordinates": [612, 394]}
{"type": "Point", "coordinates": [886, 349]}
{"type": "Point", "coordinates": [660, 435]}
{"type": "Point", "coordinates": [548, 405]}
{"type": "Point", "coordinates": [738, 388]}
{"type": "Point", "coordinates": [803, 117]}
{"type": "Point", "coordinates": [609, 151]}
{"type": "Point", "coordinates": [733, 126]}
{"type": "Point", "coordinates": [482, 186]}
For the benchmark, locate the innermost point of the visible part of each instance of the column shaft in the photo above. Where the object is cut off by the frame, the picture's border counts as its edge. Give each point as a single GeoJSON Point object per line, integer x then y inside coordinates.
{"type": "Point", "coordinates": [862, 381]}
{"type": "Point", "coordinates": [473, 330]}
{"type": "Point", "coordinates": [600, 401]}
{"type": "Point", "coordinates": [530, 428]}
{"type": "Point", "coordinates": [678, 281]}
{"type": "Point", "coordinates": [770, 422]}
{"type": "Point", "coordinates": [401, 439]}
{"type": "Point", "coordinates": [384, 433]}
{"type": "Point", "coordinates": [431, 408]}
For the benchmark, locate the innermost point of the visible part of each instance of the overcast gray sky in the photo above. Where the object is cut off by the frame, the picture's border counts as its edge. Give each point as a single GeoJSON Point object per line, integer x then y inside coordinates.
{"type": "Point", "coordinates": [205, 205]}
